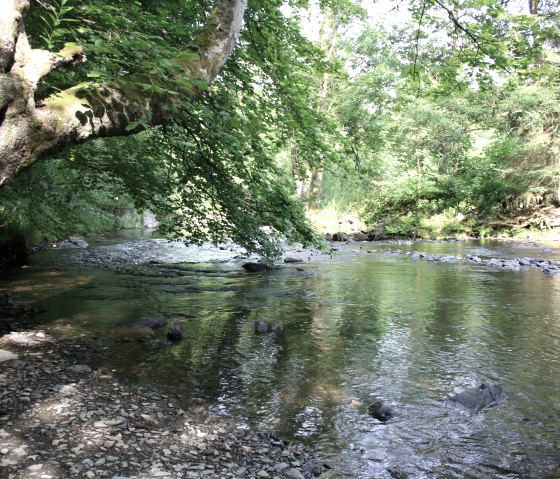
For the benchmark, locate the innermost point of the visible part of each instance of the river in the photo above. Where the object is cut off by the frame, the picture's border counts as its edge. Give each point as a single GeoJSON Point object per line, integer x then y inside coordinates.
{"type": "Point", "coordinates": [358, 326]}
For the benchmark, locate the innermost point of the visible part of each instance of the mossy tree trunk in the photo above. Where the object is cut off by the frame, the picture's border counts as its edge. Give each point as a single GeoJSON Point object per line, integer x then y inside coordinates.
{"type": "Point", "coordinates": [31, 130]}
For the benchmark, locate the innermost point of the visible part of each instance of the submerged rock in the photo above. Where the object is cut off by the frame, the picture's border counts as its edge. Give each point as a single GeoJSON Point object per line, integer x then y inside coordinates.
{"type": "Point", "coordinates": [381, 411]}
{"type": "Point", "coordinates": [141, 328]}
{"type": "Point", "coordinates": [128, 333]}
{"type": "Point", "coordinates": [473, 400]}
{"type": "Point", "coordinates": [254, 267]}
{"type": "Point", "coordinates": [262, 327]}
{"type": "Point", "coordinates": [175, 332]}
{"type": "Point", "coordinates": [145, 322]}
{"type": "Point", "coordinates": [73, 243]}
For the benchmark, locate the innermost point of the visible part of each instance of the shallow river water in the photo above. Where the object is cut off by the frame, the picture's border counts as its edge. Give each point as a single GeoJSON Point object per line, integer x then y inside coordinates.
{"type": "Point", "coordinates": [358, 326]}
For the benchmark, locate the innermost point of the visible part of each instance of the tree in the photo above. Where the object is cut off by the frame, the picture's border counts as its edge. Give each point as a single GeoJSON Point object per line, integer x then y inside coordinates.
{"type": "Point", "coordinates": [31, 129]}
{"type": "Point", "coordinates": [205, 163]}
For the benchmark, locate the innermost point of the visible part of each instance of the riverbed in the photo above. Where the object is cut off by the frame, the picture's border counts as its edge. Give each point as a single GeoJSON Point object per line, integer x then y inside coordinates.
{"type": "Point", "coordinates": [349, 328]}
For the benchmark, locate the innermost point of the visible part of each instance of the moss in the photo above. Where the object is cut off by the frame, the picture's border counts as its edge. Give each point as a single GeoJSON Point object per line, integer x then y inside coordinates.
{"type": "Point", "coordinates": [71, 51]}
{"type": "Point", "coordinates": [100, 103]}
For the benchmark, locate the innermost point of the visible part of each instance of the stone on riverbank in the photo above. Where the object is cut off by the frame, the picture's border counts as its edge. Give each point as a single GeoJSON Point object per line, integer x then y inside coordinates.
{"type": "Point", "coordinates": [7, 355]}
{"type": "Point", "coordinates": [340, 236]}
{"type": "Point", "coordinates": [291, 259]}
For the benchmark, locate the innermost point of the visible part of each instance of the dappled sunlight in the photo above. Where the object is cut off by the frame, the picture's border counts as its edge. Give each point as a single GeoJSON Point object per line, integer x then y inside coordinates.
{"type": "Point", "coordinates": [331, 220]}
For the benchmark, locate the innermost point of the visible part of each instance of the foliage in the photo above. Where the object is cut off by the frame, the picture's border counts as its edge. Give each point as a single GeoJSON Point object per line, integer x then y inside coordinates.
{"type": "Point", "coordinates": [55, 199]}
{"type": "Point", "coordinates": [210, 174]}
{"type": "Point", "coordinates": [454, 115]}
{"type": "Point", "coordinates": [462, 125]}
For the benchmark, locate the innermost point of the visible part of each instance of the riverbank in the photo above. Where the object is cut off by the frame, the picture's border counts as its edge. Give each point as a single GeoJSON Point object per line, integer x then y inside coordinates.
{"type": "Point", "coordinates": [538, 224]}
{"type": "Point", "coordinates": [61, 417]}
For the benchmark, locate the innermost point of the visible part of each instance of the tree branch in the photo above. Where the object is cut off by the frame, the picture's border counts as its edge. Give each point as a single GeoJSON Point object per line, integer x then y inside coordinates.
{"type": "Point", "coordinates": [29, 131]}
{"type": "Point", "coordinates": [10, 20]}
{"type": "Point", "coordinates": [477, 43]}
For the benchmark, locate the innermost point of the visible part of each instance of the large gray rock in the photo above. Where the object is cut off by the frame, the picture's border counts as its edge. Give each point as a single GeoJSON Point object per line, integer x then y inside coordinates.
{"type": "Point", "coordinates": [360, 236]}
{"type": "Point", "coordinates": [340, 236]}
{"type": "Point", "coordinates": [291, 259]}
{"type": "Point", "coordinates": [473, 400]}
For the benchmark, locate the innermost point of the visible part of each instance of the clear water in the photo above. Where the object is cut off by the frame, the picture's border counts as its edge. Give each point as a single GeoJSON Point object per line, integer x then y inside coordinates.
{"type": "Point", "coordinates": [349, 329]}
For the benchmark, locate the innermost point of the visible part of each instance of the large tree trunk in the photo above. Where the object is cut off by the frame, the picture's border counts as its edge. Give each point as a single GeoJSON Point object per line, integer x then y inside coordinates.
{"type": "Point", "coordinates": [329, 44]}
{"type": "Point", "coordinates": [29, 131]}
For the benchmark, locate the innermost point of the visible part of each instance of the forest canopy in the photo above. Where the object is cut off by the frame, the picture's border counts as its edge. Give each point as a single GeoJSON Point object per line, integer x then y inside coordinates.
{"type": "Point", "coordinates": [228, 116]}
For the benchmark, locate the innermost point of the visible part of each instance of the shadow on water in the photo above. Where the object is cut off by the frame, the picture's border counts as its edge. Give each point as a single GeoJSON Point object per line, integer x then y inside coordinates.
{"type": "Point", "coordinates": [348, 330]}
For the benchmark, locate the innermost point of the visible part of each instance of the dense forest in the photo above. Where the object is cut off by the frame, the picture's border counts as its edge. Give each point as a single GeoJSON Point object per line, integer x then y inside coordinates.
{"type": "Point", "coordinates": [439, 117]}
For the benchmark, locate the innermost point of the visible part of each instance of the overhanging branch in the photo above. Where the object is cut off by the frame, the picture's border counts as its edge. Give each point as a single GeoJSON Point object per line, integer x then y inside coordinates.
{"type": "Point", "coordinates": [29, 131]}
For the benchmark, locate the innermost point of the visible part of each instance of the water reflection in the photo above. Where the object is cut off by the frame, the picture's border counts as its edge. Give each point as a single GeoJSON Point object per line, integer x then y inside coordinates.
{"type": "Point", "coordinates": [349, 330]}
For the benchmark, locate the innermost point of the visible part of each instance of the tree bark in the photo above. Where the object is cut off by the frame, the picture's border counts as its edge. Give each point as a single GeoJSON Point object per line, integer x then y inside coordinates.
{"type": "Point", "coordinates": [30, 131]}
{"type": "Point", "coordinates": [316, 174]}
{"type": "Point", "coordinates": [534, 7]}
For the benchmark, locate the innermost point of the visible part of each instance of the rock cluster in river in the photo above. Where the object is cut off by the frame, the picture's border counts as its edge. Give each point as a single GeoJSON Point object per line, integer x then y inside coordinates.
{"type": "Point", "coordinates": [509, 264]}
{"type": "Point", "coordinates": [61, 418]}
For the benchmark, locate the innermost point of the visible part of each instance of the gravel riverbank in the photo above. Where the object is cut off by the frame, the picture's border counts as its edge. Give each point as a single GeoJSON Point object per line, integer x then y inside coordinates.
{"type": "Point", "coordinates": [61, 418]}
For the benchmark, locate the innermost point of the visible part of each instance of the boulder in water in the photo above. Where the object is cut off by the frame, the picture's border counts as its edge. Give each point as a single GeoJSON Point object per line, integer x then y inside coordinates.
{"type": "Point", "coordinates": [73, 242]}
{"type": "Point", "coordinates": [473, 400]}
{"type": "Point", "coordinates": [262, 327]}
{"type": "Point", "coordinates": [254, 267]}
{"type": "Point", "coordinates": [340, 236]}
{"type": "Point", "coordinates": [291, 259]}
{"type": "Point", "coordinates": [127, 333]}
{"type": "Point", "coordinates": [380, 411]}
{"type": "Point", "coordinates": [175, 332]}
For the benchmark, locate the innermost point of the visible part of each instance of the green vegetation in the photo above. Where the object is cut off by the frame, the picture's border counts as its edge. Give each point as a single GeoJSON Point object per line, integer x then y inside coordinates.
{"type": "Point", "coordinates": [452, 133]}
{"type": "Point", "coordinates": [445, 125]}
